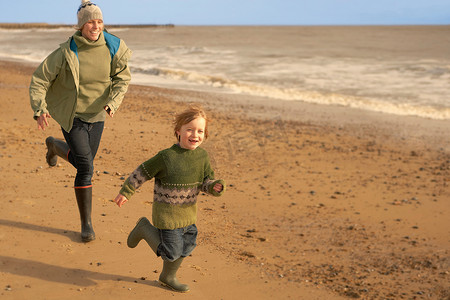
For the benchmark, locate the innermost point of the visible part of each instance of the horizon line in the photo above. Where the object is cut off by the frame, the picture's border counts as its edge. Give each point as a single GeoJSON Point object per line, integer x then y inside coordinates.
{"type": "Point", "coordinates": [14, 25]}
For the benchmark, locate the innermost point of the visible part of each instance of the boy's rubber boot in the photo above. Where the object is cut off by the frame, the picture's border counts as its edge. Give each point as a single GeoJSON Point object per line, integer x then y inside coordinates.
{"type": "Point", "coordinates": [168, 276]}
{"type": "Point", "coordinates": [84, 200]}
{"type": "Point", "coordinates": [144, 230]}
{"type": "Point", "coordinates": [55, 148]}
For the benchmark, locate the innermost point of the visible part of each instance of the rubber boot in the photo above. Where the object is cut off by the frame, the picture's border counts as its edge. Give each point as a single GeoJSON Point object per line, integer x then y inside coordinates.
{"type": "Point", "coordinates": [144, 230]}
{"type": "Point", "coordinates": [168, 276]}
{"type": "Point", "coordinates": [84, 200]}
{"type": "Point", "coordinates": [55, 148]}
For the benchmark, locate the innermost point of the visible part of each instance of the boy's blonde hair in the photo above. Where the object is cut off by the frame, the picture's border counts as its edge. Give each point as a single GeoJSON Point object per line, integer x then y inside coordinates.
{"type": "Point", "coordinates": [192, 113]}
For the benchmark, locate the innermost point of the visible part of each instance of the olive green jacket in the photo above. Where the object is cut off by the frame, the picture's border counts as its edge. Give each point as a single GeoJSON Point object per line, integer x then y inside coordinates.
{"type": "Point", "coordinates": [55, 83]}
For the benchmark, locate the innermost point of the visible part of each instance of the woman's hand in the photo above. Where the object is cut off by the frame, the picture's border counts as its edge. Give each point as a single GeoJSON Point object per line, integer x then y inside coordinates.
{"type": "Point", "coordinates": [108, 111]}
{"type": "Point", "coordinates": [42, 121]}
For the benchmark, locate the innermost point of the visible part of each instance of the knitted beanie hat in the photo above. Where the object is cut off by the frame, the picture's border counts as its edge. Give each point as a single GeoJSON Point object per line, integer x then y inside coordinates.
{"type": "Point", "coordinates": [88, 11]}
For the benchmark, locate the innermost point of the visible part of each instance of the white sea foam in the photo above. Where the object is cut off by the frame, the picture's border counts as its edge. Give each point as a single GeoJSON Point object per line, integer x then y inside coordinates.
{"type": "Point", "coordinates": [389, 72]}
{"type": "Point", "coordinates": [30, 57]}
{"type": "Point", "coordinates": [196, 80]}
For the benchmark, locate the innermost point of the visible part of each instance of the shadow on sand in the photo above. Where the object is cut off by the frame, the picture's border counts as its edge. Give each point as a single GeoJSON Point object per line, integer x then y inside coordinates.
{"type": "Point", "coordinates": [44, 271]}
{"type": "Point", "coordinates": [77, 277]}
{"type": "Point", "coordinates": [73, 235]}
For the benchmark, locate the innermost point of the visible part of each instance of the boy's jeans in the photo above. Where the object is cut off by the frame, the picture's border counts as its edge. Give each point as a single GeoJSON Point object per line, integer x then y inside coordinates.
{"type": "Point", "coordinates": [178, 242]}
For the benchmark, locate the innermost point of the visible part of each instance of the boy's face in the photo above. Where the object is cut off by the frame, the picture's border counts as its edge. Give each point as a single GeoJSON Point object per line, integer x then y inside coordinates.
{"type": "Point", "coordinates": [192, 134]}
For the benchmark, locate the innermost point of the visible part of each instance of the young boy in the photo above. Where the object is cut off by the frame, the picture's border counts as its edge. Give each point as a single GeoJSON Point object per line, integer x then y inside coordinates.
{"type": "Point", "coordinates": [180, 173]}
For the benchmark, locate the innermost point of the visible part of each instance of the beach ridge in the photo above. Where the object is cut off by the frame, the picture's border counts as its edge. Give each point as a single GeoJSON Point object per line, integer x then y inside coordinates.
{"type": "Point", "coordinates": [320, 204]}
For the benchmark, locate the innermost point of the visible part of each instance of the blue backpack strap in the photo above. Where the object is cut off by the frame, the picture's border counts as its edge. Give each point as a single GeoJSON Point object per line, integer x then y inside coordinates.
{"type": "Point", "coordinates": [112, 42]}
{"type": "Point", "coordinates": [73, 46]}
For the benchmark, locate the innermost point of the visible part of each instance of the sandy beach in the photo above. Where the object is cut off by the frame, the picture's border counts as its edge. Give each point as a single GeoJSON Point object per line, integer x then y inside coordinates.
{"type": "Point", "coordinates": [322, 203]}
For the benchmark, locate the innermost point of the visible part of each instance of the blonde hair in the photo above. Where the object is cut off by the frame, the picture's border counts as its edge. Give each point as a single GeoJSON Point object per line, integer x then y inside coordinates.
{"type": "Point", "coordinates": [192, 113]}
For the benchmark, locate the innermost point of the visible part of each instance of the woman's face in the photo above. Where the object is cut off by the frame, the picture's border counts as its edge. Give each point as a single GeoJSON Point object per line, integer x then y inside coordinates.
{"type": "Point", "coordinates": [91, 29]}
{"type": "Point", "coordinates": [192, 134]}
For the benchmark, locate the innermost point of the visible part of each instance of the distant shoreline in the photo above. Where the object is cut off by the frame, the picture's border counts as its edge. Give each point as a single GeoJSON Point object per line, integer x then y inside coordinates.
{"type": "Point", "coordinates": [52, 26]}
{"type": "Point", "coordinates": [55, 26]}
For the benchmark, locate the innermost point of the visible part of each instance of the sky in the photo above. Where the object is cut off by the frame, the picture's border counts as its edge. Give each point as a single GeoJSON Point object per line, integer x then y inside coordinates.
{"type": "Point", "coordinates": [235, 12]}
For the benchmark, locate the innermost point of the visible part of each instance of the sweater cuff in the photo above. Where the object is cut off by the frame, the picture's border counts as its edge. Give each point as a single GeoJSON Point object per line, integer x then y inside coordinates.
{"type": "Point", "coordinates": [211, 187]}
{"type": "Point", "coordinates": [127, 190]}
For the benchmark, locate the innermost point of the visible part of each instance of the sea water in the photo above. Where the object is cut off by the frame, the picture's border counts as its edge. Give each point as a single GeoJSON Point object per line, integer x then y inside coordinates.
{"type": "Point", "coordinates": [402, 70]}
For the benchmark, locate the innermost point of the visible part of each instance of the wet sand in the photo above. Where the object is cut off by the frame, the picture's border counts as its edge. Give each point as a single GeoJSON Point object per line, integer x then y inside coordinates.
{"type": "Point", "coordinates": [322, 203]}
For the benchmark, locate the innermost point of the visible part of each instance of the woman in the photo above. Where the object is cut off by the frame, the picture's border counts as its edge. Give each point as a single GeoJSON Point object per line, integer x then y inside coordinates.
{"type": "Point", "coordinates": [77, 85]}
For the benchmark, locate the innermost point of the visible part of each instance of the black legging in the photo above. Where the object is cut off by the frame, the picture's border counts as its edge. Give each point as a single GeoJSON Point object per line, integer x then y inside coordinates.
{"type": "Point", "coordinates": [83, 140]}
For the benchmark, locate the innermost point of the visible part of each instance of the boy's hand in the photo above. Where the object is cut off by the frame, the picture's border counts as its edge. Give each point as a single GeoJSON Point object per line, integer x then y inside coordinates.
{"type": "Point", "coordinates": [218, 187]}
{"type": "Point", "coordinates": [120, 200]}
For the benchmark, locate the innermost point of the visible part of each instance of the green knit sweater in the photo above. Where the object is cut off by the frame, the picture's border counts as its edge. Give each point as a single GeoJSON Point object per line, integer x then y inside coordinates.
{"type": "Point", "coordinates": [180, 174]}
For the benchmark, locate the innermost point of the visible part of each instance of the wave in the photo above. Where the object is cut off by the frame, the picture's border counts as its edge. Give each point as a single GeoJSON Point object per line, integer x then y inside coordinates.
{"type": "Point", "coordinates": [35, 58]}
{"type": "Point", "coordinates": [37, 29]}
{"type": "Point", "coordinates": [290, 94]}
